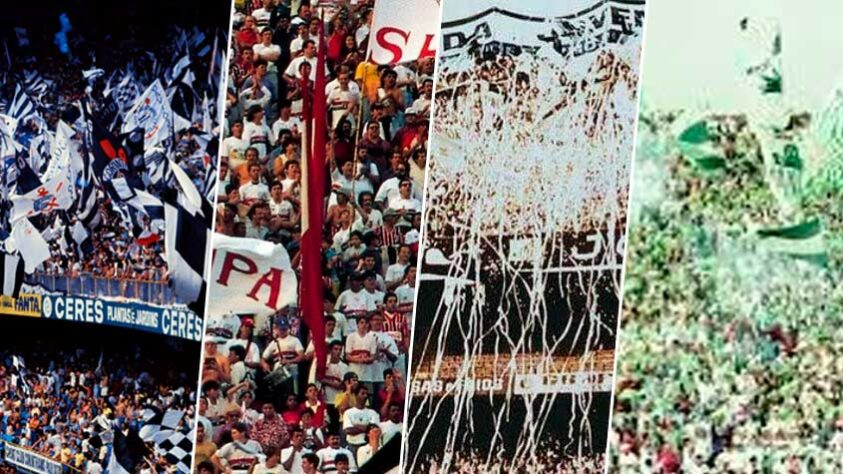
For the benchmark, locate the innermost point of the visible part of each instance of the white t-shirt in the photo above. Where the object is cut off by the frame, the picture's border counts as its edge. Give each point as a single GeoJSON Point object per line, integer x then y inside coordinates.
{"type": "Point", "coordinates": [262, 469]}
{"type": "Point", "coordinates": [335, 85]}
{"type": "Point", "coordinates": [282, 124]}
{"type": "Point", "coordinates": [298, 43]}
{"type": "Point", "coordinates": [283, 208]}
{"type": "Point", "coordinates": [248, 97]}
{"type": "Point", "coordinates": [327, 456]}
{"type": "Point", "coordinates": [382, 362]}
{"type": "Point", "coordinates": [359, 416]}
{"type": "Point", "coordinates": [269, 53]}
{"type": "Point", "coordinates": [388, 191]}
{"type": "Point", "coordinates": [410, 204]}
{"type": "Point", "coordinates": [296, 467]}
{"type": "Point", "coordinates": [349, 301]}
{"type": "Point", "coordinates": [376, 296]}
{"type": "Point", "coordinates": [262, 16]}
{"type": "Point", "coordinates": [364, 454]}
{"type": "Point", "coordinates": [284, 349]}
{"type": "Point", "coordinates": [233, 145]}
{"type": "Point", "coordinates": [93, 468]}
{"type": "Point", "coordinates": [256, 135]}
{"type": "Point", "coordinates": [354, 345]}
{"type": "Point", "coordinates": [240, 456]}
{"type": "Point", "coordinates": [251, 191]}
{"type": "Point", "coordinates": [335, 372]}
{"type": "Point", "coordinates": [405, 293]}
{"type": "Point", "coordinates": [293, 69]}
{"type": "Point", "coordinates": [395, 272]}
{"type": "Point", "coordinates": [374, 222]}
{"type": "Point", "coordinates": [390, 429]}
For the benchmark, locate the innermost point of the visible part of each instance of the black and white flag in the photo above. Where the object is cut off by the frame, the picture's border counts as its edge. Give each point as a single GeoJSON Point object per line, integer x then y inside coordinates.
{"type": "Point", "coordinates": [176, 447]}
{"type": "Point", "coordinates": [22, 105]}
{"type": "Point", "coordinates": [127, 451]}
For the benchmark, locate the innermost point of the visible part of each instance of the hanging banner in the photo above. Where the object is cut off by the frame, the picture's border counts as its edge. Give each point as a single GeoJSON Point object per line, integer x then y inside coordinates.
{"type": "Point", "coordinates": [30, 461]}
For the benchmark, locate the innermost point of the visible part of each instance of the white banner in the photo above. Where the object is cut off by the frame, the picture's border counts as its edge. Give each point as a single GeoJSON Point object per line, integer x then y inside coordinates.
{"type": "Point", "coordinates": [152, 112]}
{"type": "Point", "coordinates": [404, 30]}
{"type": "Point", "coordinates": [250, 276]}
{"type": "Point", "coordinates": [570, 29]}
{"type": "Point", "coordinates": [31, 461]}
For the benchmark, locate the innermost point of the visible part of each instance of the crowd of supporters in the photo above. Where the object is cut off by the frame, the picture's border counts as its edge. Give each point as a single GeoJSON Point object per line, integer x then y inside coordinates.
{"type": "Point", "coordinates": [65, 399]}
{"type": "Point", "coordinates": [262, 401]}
{"type": "Point", "coordinates": [56, 84]}
{"type": "Point", "coordinates": [730, 356]}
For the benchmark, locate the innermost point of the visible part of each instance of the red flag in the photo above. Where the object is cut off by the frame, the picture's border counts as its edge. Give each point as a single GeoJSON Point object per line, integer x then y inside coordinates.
{"type": "Point", "coordinates": [313, 179]}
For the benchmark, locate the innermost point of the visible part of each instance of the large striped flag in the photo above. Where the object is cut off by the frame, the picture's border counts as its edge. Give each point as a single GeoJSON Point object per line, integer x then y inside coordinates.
{"type": "Point", "coordinates": [313, 179]}
{"type": "Point", "coordinates": [22, 105]}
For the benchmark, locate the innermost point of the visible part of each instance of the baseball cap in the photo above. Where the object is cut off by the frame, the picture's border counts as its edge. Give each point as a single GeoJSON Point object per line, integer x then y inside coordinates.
{"type": "Point", "coordinates": [282, 322]}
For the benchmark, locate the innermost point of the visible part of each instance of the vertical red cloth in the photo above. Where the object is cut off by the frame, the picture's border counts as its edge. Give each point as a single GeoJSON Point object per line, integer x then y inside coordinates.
{"type": "Point", "coordinates": [315, 113]}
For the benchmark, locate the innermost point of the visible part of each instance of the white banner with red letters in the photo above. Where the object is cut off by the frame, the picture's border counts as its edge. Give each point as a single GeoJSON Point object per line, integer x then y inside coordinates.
{"type": "Point", "coordinates": [404, 30]}
{"type": "Point", "coordinates": [250, 276]}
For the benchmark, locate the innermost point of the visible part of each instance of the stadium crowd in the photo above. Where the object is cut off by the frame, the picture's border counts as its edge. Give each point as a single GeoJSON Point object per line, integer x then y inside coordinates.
{"type": "Point", "coordinates": [731, 353]}
{"type": "Point", "coordinates": [65, 402]}
{"type": "Point", "coordinates": [108, 79]}
{"type": "Point", "coordinates": [262, 405]}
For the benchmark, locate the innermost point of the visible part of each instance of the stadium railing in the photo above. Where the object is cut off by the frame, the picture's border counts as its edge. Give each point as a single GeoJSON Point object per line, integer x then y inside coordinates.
{"type": "Point", "coordinates": [154, 292]}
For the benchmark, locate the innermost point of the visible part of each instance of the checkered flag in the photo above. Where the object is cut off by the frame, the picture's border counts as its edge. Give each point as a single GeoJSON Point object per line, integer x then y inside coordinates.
{"type": "Point", "coordinates": [156, 421]}
{"type": "Point", "coordinates": [125, 94]}
{"type": "Point", "coordinates": [176, 447]}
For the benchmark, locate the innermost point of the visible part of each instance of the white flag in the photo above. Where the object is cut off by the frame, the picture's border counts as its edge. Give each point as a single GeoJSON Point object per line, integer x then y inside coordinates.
{"type": "Point", "coordinates": [31, 245]}
{"type": "Point", "coordinates": [151, 112]}
{"type": "Point", "coordinates": [404, 30]}
{"type": "Point", "coordinates": [250, 276]}
{"type": "Point", "coordinates": [60, 164]}
{"type": "Point", "coordinates": [51, 196]}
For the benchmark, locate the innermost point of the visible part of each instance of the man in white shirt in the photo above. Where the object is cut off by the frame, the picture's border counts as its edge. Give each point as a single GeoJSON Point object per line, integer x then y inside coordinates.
{"type": "Point", "coordinates": [394, 425]}
{"type": "Point", "coordinates": [395, 272]}
{"type": "Point", "coordinates": [334, 84]}
{"type": "Point", "coordinates": [266, 50]}
{"type": "Point", "coordinates": [238, 456]}
{"type": "Point", "coordinates": [309, 56]}
{"type": "Point", "coordinates": [407, 292]}
{"type": "Point", "coordinates": [272, 465]}
{"type": "Point", "coordinates": [262, 15]}
{"type": "Point", "coordinates": [405, 201]}
{"type": "Point", "coordinates": [370, 286]}
{"type": "Point", "coordinates": [233, 147]}
{"type": "Point", "coordinates": [387, 351]}
{"type": "Point", "coordinates": [355, 302]}
{"type": "Point", "coordinates": [361, 348]}
{"type": "Point", "coordinates": [422, 104]}
{"type": "Point", "coordinates": [331, 383]}
{"type": "Point", "coordinates": [254, 190]}
{"type": "Point", "coordinates": [283, 352]}
{"type": "Point", "coordinates": [285, 122]}
{"type": "Point", "coordinates": [357, 419]}
{"type": "Point", "coordinates": [328, 455]}
{"type": "Point", "coordinates": [342, 101]}
{"type": "Point", "coordinates": [292, 456]}
{"type": "Point", "coordinates": [389, 190]}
